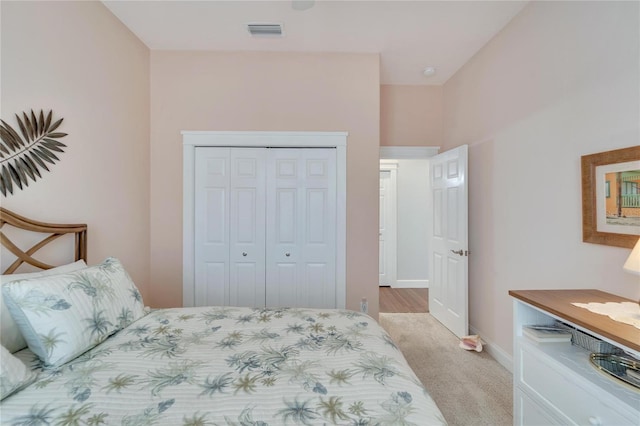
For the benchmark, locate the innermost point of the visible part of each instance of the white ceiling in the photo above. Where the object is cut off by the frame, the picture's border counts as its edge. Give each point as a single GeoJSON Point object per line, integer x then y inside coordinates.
{"type": "Point", "coordinates": [409, 35]}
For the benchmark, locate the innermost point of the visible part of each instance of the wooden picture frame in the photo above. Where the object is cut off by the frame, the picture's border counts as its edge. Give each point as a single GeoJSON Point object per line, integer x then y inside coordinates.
{"type": "Point", "coordinates": [590, 233]}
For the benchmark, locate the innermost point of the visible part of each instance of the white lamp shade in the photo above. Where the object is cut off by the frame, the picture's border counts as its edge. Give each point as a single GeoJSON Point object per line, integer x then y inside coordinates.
{"type": "Point", "coordinates": [632, 264]}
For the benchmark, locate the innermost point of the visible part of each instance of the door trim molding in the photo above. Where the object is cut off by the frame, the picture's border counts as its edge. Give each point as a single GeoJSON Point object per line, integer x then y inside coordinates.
{"type": "Point", "coordinates": [191, 139]}
{"type": "Point", "coordinates": [392, 263]}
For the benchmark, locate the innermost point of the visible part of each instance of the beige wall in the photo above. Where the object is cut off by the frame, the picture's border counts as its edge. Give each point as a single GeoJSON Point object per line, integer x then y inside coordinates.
{"type": "Point", "coordinates": [271, 92]}
{"type": "Point", "coordinates": [410, 115]}
{"type": "Point", "coordinates": [560, 81]}
{"type": "Point", "coordinates": [79, 60]}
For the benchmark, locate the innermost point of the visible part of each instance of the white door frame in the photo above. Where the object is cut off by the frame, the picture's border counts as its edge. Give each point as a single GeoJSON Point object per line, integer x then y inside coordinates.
{"type": "Point", "coordinates": [391, 237]}
{"type": "Point", "coordinates": [191, 139]}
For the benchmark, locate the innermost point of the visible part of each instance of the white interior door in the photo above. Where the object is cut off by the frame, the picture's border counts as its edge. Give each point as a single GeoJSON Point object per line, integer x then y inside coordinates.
{"type": "Point", "coordinates": [301, 228]}
{"type": "Point", "coordinates": [229, 226]}
{"type": "Point", "coordinates": [448, 240]}
{"type": "Point", "coordinates": [387, 234]}
{"type": "Point", "coordinates": [211, 226]}
{"type": "Point", "coordinates": [247, 227]}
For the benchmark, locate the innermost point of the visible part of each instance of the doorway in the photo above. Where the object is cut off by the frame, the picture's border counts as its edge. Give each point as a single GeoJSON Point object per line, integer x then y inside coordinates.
{"type": "Point", "coordinates": [407, 255]}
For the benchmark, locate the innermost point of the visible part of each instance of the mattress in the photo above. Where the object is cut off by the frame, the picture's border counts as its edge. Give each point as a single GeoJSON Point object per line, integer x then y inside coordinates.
{"type": "Point", "coordinates": [231, 366]}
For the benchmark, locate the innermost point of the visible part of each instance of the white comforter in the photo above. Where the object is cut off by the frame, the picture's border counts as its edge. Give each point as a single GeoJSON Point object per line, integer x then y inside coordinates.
{"type": "Point", "coordinates": [232, 366]}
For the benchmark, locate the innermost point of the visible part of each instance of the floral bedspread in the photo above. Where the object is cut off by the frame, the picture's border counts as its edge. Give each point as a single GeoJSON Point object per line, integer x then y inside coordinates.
{"type": "Point", "coordinates": [231, 366]}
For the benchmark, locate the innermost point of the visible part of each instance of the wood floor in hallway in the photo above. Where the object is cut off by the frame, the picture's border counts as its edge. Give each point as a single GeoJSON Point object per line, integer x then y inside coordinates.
{"type": "Point", "coordinates": [404, 300]}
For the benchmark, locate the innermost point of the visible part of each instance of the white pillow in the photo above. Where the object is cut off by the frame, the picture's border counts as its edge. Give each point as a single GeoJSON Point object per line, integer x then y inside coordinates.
{"type": "Point", "coordinates": [62, 316]}
{"type": "Point", "coordinates": [10, 336]}
{"type": "Point", "coordinates": [14, 375]}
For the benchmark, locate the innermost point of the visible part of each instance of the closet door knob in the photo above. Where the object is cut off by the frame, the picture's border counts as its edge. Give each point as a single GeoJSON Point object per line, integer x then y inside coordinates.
{"type": "Point", "coordinates": [244, 253]}
{"type": "Point", "coordinates": [287, 254]}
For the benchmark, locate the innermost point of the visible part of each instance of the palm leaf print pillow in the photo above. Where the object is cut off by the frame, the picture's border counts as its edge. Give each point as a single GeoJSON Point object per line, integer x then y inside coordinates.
{"type": "Point", "coordinates": [63, 316]}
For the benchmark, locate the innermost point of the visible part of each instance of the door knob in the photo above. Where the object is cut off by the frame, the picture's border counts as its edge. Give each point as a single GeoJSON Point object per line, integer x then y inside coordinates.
{"type": "Point", "coordinates": [244, 253]}
{"type": "Point", "coordinates": [458, 252]}
{"type": "Point", "coordinates": [287, 254]}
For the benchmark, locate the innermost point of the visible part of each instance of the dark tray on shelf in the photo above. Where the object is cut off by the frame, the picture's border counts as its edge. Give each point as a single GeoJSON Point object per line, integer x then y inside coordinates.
{"type": "Point", "coordinates": [621, 367]}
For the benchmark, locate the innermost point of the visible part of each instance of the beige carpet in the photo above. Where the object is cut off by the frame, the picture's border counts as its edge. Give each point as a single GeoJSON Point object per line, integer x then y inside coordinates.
{"type": "Point", "coordinates": [470, 388]}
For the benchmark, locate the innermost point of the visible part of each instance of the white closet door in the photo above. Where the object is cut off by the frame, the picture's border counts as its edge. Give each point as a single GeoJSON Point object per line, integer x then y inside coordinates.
{"type": "Point", "coordinates": [229, 226]}
{"type": "Point", "coordinates": [301, 228]}
{"type": "Point", "coordinates": [247, 227]}
{"type": "Point", "coordinates": [211, 226]}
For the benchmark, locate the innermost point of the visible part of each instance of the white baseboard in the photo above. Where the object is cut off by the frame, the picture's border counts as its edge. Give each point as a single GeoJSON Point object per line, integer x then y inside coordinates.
{"type": "Point", "coordinates": [503, 358]}
{"type": "Point", "coordinates": [411, 284]}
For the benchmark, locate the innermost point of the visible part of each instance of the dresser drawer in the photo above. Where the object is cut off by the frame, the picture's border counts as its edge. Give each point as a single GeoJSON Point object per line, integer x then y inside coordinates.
{"type": "Point", "coordinates": [554, 387]}
{"type": "Point", "coordinates": [529, 413]}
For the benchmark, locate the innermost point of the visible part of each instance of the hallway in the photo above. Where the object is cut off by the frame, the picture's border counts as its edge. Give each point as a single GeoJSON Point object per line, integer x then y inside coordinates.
{"type": "Point", "coordinates": [404, 300]}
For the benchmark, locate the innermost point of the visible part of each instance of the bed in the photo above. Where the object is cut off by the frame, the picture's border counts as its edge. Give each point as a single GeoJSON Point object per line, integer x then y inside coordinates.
{"type": "Point", "coordinates": [215, 365]}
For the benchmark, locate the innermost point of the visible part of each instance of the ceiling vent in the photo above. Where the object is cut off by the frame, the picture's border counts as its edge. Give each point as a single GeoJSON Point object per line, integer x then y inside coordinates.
{"type": "Point", "coordinates": [265, 30]}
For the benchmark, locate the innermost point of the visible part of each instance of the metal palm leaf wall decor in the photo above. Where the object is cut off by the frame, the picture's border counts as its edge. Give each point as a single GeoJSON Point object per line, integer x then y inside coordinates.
{"type": "Point", "coordinates": [24, 155]}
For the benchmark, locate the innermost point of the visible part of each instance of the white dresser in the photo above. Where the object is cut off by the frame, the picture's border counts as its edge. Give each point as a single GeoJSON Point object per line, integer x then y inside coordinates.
{"type": "Point", "coordinates": [554, 383]}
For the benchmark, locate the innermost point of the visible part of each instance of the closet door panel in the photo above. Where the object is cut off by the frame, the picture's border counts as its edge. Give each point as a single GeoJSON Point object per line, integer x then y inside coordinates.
{"type": "Point", "coordinates": [318, 288]}
{"type": "Point", "coordinates": [283, 253]}
{"type": "Point", "coordinates": [286, 292]}
{"type": "Point", "coordinates": [211, 226]}
{"type": "Point", "coordinates": [216, 283]}
{"type": "Point", "coordinates": [286, 218]}
{"type": "Point", "coordinates": [301, 222]}
{"type": "Point", "coordinates": [247, 227]}
{"type": "Point", "coordinates": [247, 286]}
{"type": "Point", "coordinates": [265, 227]}
{"type": "Point", "coordinates": [320, 228]}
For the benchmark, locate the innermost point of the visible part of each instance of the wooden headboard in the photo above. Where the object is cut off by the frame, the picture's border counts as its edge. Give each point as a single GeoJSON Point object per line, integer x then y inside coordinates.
{"type": "Point", "coordinates": [54, 230]}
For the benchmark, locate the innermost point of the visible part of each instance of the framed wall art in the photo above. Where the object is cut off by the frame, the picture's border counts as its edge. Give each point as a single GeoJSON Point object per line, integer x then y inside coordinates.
{"type": "Point", "coordinates": [611, 197]}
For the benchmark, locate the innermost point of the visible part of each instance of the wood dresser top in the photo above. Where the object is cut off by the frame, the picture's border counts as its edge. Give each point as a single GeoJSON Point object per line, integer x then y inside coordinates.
{"type": "Point", "coordinates": [559, 303]}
